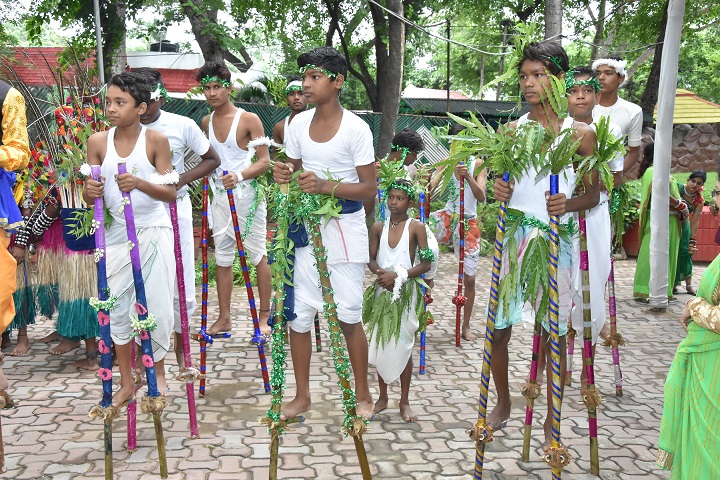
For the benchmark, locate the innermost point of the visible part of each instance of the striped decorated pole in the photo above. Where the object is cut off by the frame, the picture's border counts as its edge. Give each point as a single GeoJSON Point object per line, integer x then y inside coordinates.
{"type": "Point", "coordinates": [459, 300]}
{"type": "Point", "coordinates": [381, 205]}
{"type": "Point", "coordinates": [354, 425]}
{"type": "Point", "coordinates": [203, 336]}
{"type": "Point", "coordinates": [257, 336]}
{"type": "Point", "coordinates": [591, 396]}
{"type": "Point", "coordinates": [105, 410]}
{"type": "Point", "coordinates": [570, 353]}
{"type": "Point", "coordinates": [188, 375]}
{"type": "Point", "coordinates": [132, 407]}
{"type": "Point", "coordinates": [480, 432]}
{"type": "Point", "coordinates": [615, 339]}
{"type": "Point", "coordinates": [556, 456]}
{"type": "Point", "coordinates": [423, 335]}
{"type": "Point", "coordinates": [153, 402]}
{"type": "Point", "coordinates": [531, 390]}
{"type": "Point", "coordinates": [318, 338]}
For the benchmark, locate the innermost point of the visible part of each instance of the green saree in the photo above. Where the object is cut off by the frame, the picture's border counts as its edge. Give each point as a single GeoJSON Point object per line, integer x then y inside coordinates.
{"type": "Point", "coordinates": [689, 443]}
{"type": "Point", "coordinates": [641, 288]}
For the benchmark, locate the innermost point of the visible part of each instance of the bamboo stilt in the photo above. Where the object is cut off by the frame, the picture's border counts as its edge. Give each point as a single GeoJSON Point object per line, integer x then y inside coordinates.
{"type": "Point", "coordinates": [531, 391]}
{"type": "Point", "coordinates": [480, 432]}
{"type": "Point", "coordinates": [423, 334]}
{"type": "Point", "coordinates": [203, 337]}
{"type": "Point", "coordinates": [615, 339]}
{"type": "Point", "coordinates": [459, 300]}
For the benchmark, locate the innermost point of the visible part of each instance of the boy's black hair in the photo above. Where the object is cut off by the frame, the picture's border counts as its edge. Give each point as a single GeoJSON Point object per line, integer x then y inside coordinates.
{"type": "Point", "coordinates": [455, 128]}
{"type": "Point", "coordinates": [408, 138]}
{"type": "Point", "coordinates": [134, 84]}
{"type": "Point", "coordinates": [213, 69]}
{"type": "Point", "coordinates": [325, 57]}
{"type": "Point", "coordinates": [584, 71]}
{"type": "Point", "coordinates": [152, 76]}
{"type": "Point", "coordinates": [550, 53]}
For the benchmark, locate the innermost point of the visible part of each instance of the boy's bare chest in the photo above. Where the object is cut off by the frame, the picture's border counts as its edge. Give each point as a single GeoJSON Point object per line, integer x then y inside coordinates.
{"type": "Point", "coordinates": [323, 131]}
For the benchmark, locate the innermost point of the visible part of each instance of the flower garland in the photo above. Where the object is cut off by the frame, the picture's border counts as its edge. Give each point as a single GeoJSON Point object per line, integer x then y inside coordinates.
{"type": "Point", "coordinates": [571, 81]}
{"type": "Point", "coordinates": [400, 279]}
{"type": "Point", "coordinates": [426, 254]}
{"type": "Point", "coordinates": [98, 304]}
{"type": "Point", "coordinates": [404, 152]}
{"type": "Point", "coordinates": [169, 178]}
{"type": "Point", "coordinates": [208, 79]}
{"type": "Point", "coordinates": [141, 327]}
{"type": "Point", "coordinates": [294, 86]}
{"type": "Point", "coordinates": [330, 74]}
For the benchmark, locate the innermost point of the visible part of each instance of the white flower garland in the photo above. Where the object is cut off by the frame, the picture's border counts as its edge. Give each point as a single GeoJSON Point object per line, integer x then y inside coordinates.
{"type": "Point", "coordinates": [254, 144]}
{"type": "Point", "coordinates": [618, 65]}
{"type": "Point", "coordinates": [170, 178]}
{"type": "Point", "coordinates": [85, 170]}
{"type": "Point", "coordinates": [402, 276]}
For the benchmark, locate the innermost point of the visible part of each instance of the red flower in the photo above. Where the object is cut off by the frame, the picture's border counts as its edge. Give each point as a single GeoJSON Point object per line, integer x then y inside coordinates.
{"type": "Point", "coordinates": [105, 374]}
{"type": "Point", "coordinates": [147, 361]}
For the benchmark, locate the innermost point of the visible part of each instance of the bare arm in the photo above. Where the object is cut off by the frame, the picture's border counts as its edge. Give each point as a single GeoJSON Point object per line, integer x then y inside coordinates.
{"type": "Point", "coordinates": [631, 158]}
{"type": "Point", "coordinates": [210, 161]}
{"type": "Point", "coordinates": [375, 233]}
{"type": "Point", "coordinates": [364, 189]}
{"type": "Point", "coordinates": [95, 154]}
{"type": "Point", "coordinates": [418, 237]}
{"type": "Point", "coordinates": [254, 129]}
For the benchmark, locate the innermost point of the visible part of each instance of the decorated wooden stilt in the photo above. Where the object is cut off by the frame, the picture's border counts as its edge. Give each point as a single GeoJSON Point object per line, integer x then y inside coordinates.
{"type": "Point", "coordinates": [203, 337]}
{"type": "Point", "coordinates": [591, 397]}
{"type": "Point", "coordinates": [144, 323]}
{"type": "Point", "coordinates": [105, 409]}
{"type": "Point", "coordinates": [132, 407]}
{"type": "Point", "coordinates": [459, 300]}
{"type": "Point", "coordinates": [318, 337]}
{"type": "Point", "coordinates": [257, 336]}
{"type": "Point", "coordinates": [531, 390]}
{"type": "Point", "coordinates": [557, 455]}
{"type": "Point", "coordinates": [354, 425]}
{"type": "Point", "coordinates": [423, 335]}
{"type": "Point", "coordinates": [615, 340]}
{"type": "Point", "coordinates": [480, 432]}
{"type": "Point", "coordinates": [189, 373]}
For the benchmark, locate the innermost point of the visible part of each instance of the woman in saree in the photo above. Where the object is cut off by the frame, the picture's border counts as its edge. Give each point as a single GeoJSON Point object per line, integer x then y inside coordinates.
{"type": "Point", "coordinates": [691, 194]}
{"type": "Point", "coordinates": [689, 444]}
{"type": "Point", "coordinates": [678, 214]}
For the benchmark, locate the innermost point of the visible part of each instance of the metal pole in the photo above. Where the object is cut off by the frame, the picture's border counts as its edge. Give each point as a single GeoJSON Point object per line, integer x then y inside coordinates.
{"type": "Point", "coordinates": [505, 24]}
{"type": "Point", "coordinates": [447, 73]}
{"type": "Point", "coordinates": [98, 41]}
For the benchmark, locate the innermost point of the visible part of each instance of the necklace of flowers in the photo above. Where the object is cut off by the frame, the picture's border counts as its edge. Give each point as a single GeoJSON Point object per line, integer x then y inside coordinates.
{"type": "Point", "coordinates": [402, 276]}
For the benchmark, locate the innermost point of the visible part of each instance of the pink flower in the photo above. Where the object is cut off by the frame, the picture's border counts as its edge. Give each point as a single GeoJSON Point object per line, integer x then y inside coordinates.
{"type": "Point", "coordinates": [147, 361]}
{"type": "Point", "coordinates": [102, 346]}
{"type": "Point", "coordinates": [103, 319]}
{"type": "Point", "coordinates": [105, 374]}
{"type": "Point", "coordinates": [144, 335]}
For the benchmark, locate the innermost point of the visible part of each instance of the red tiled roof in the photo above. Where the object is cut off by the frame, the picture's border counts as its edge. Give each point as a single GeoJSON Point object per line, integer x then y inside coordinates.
{"type": "Point", "coordinates": [34, 65]}
{"type": "Point", "coordinates": [432, 93]}
{"type": "Point", "coordinates": [178, 81]}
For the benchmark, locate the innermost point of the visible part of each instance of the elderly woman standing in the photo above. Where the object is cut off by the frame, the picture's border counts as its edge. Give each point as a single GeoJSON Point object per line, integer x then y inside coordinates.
{"type": "Point", "coordinates": [689, 443]}
{"type": "Point", "coordinates": [691, 195]}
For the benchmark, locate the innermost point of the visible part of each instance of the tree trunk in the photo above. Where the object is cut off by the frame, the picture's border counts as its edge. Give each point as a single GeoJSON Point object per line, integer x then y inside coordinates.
{"type": "Point", "coordinates": [391, 86]}
{"type": "Point", "coordinates": [599, 29]}
{"type": "Point", "coordinates": [199, 18]}
{"type": "Point", "coordinates": [553, 20]}
{"type": "Point", "coordinates": [119, 58]}
{"type": "Point", "coordinates": [650, 95]}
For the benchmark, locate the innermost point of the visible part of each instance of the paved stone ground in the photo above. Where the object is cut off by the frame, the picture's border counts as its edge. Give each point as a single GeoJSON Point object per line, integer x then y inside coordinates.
{"type": "Point", "coordinates": [50, 436]}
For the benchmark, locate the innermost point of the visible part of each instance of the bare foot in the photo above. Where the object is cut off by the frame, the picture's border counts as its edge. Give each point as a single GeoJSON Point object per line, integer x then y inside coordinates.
{"type": "Point", "coordinates": [605, 332]}
{"type": "Point", "coordinates": [6, 342]}
{"type": "Point", "coordinates": [87, 363]}
{"type": "Point", "coordinates": [53, 337]}
{"type": "Point", "coordinates": [22, 347]}
{"type": "Point", "coordinates": [221, 326]}
{"type": "Point", "coordinates": [468, 335]}
{"type": "Point", "coordinates": [406, 413]}
{"type": "Point", "coordinates": [380, 405]}
{"type": "Point", "coordinates": [365, 409]}
{"type": "Point", "coordinates": [295, 407]}
{"type": "Point", "coordinates": [3, 380]}
{"type": "Point", "coordinates": [65, 346]}
{"type": "Point", "coordinates": [122, 397]}
{"type": "Point", "coordinates": [499, 415]}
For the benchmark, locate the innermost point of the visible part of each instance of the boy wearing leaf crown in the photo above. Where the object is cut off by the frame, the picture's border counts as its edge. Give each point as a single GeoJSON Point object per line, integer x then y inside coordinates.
{"type": "Point", "coordinates": [329, 141]}
{"type": "Point", "coordinates": [399, 254]}
{"type": "Point", "coordinates": [529, 198]}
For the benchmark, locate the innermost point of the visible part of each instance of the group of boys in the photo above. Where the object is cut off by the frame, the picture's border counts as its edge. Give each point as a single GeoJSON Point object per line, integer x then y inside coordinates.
{"type": "Point", "coordinates": [334, 150]}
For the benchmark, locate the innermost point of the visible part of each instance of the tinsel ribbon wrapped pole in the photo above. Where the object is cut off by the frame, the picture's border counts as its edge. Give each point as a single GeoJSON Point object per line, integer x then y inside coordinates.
{"type": "Point", "coordinates": [459, 300]}
{"type": "Point", "coordinates": [615, 339]}
{"type": "Point", "coordinates": [480, 433]}
{"type": "Point", "coordinates": [531, 390]}
{"type": "Point", "coordinates": [153, 402]}
{"type": "Point", "coordinates": [203, 337]}
{"type": "Point", "coordinates": [105, 410]}
{"type": "Point", "coordinates": [570, 353]}
{"type": "Point", "coordinates": [423, 335]}
{"type": "Point", "coordinates": [591, 397]}
{"type": "Point", "coordinates": [354, 425]}
{"type": "Point", "coordinates": [557, 456]}
{"type": "Point", "coordinates": [189, 373]}
{"type": "Point", "coordinates": [381, 206]}
{"type": "Point", "coordinates": [257, 336]}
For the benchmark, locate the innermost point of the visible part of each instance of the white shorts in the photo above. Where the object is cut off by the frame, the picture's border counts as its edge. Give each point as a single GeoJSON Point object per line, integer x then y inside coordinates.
{"type": "Point", "coordinates": [347, 282]}
{"type": "Point", "coordinates": [187, 247]}
{"type": "Point", "coordinates": [254, 242]}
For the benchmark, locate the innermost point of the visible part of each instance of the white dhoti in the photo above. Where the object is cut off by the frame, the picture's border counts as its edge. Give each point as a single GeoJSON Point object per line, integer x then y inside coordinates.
{"type": "Point", "coordinates": [187, 247]}
{"type": "Point", "coordinates": [158, 271]}
{"type": "Point", "coordinates": [254, 240]}
{"type": "Point", "coordinates": [391, 359]}
{"type": "Point", "coordinates": [599, 238]}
